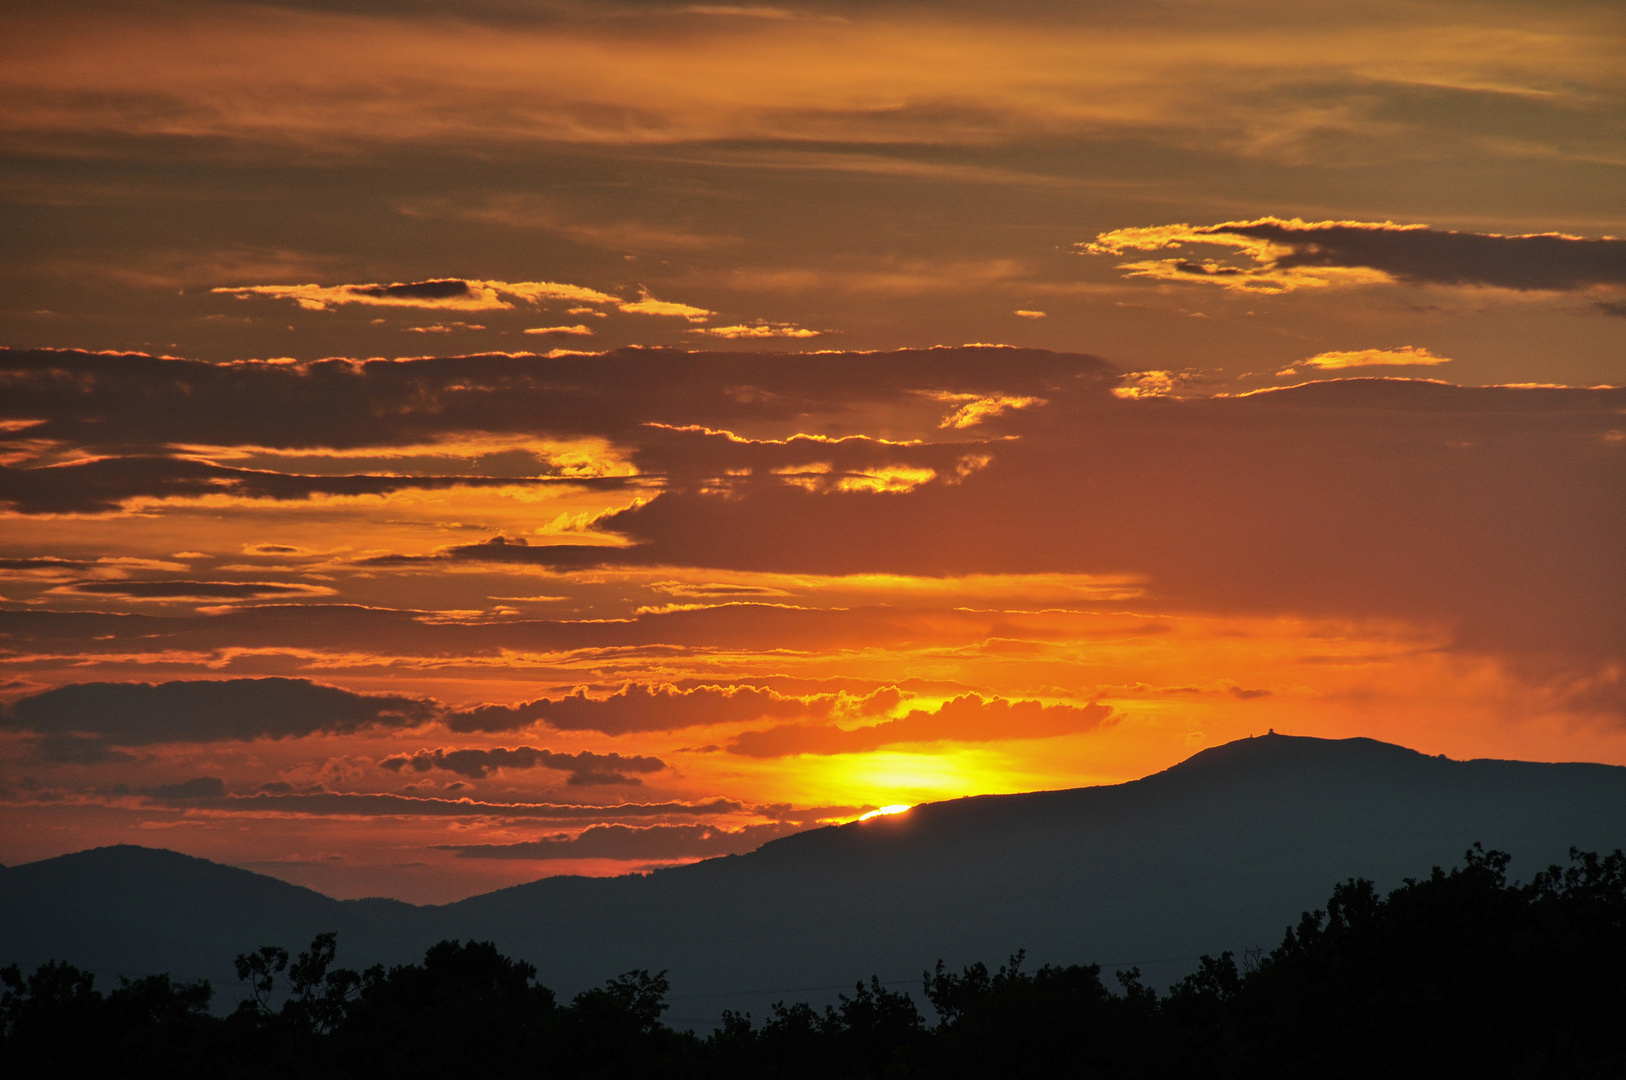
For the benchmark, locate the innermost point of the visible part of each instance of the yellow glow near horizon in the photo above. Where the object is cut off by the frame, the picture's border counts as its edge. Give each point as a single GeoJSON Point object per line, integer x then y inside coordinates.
{"type": "Point", "coordinates": [925, 775]}
{"type": "Point", "coordinates": [895, 808]}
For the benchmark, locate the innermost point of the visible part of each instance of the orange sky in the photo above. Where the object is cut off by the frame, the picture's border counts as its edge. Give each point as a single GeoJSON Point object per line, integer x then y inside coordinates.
{"type": "Point", "coordinates": [442, 448]}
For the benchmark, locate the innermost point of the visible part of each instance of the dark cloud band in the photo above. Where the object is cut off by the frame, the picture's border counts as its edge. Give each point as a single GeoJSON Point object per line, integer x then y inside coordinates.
{"type": "Point", "coordinates": [1436, 256]}
{"type": "Point", "coordinates": [141, 714]}
{"type": "Point", "coordinates": [1277, 255]}
{"type": "Point", "coordinates": [585, 768]}
{"type": "Point", "coordinates": [641, 707]}
{"type": "Point", "coordinates": [633, 842]}
{"type": "Point", "coordinates": [200, 793]}
{"type": "Point", "coordinates": [102, 485]}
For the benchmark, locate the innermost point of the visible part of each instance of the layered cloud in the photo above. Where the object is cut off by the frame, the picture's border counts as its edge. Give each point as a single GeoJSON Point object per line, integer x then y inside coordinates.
{"type": "Point", "coordinates": [972, 409]}
{"type": "Point", "coordinates": [69, 400]}
{"type": "Point", "coordinates": [164, 591]}
{"type": "Point", "coordinates": [578, 330]}
{"type": "Point", "coordinates": [585, 768]}
{"type": "Point", "coordinates": [64, 749]}
{"type": "Point", "coordinates": [727, 580]}
{"type": "Point", "coordinates": [759, 330]}
{"type": "Point", "coordinates": [639, 707]}
{"type": "Point", "coordinates": [1221, 504]}
{"type": "Point", "coordinates": [652, 842]}
{"type": "Point", "coordinates": [648, 305]}
{"type": "Point", "coordinates": [784, 572]}
{"type": "Point", "coordinates": [450, 294]}
{"type": "Point", "coordinates": [1404, 356]}
{"type": "Point", "coordinates": [105, 484]}
{"type": "Point", "coordinates": [199, 787]}
{"type": "Point", "coordinates": [863, 77]}
{"type": "Point", "coordinates": [1276, 255]}
{"type": "Point", "coordinates": [209, 793]}
{"type": "Point", "coordinates": [968, 718]}
{"type": "Point", "coordinates": [204, 711]}
{"type": "Point", "coordinates": [412, 641]}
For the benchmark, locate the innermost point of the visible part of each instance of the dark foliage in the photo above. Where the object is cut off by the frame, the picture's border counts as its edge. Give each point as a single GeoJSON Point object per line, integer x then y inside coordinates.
{"type": "Point", "coordinates": [1461, 973]}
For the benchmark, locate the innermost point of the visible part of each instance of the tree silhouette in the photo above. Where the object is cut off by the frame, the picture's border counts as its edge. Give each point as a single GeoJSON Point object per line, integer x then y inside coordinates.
{"type": "Point", "coordinates": [1458, 973]}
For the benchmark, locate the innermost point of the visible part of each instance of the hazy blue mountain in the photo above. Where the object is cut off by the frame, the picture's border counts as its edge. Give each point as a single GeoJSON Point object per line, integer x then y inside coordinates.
{"type": "Point", "coordinates": [130, 910]}
{"type": "Point", "coordinates": [1219, 852]}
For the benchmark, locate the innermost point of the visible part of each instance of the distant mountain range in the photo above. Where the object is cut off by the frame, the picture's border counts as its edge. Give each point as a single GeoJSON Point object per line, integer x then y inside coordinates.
{"type": "Point", "coordinates": [1219, 852]}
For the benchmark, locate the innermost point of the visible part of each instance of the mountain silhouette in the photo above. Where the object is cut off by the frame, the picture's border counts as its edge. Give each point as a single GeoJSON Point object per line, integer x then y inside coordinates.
{"type": "Point", "coordinates": [1221, 851]}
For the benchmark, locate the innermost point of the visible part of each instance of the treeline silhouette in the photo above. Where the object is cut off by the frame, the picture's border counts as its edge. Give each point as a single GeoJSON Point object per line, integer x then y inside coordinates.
{"type": "Point", "coordinates": [1458, 974]}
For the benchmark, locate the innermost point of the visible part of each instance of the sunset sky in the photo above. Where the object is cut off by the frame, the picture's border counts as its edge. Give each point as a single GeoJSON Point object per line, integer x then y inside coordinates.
{"type": "Point", "coordinates": [443, 445]}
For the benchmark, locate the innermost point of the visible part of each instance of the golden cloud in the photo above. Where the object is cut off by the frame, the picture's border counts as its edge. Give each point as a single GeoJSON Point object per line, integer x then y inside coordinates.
{"type": "Point", "coordinates": [890, 480]}
{"type": "Point", "coordinates": [760, 330]}
{"type": "Point", "coordinates": [648, 305]}
{"type": "Point", "coordinates": [821, 476]}
{"type": "Point", "coordinates": [450, 294]}
{"type": "Point", "coordinates": [442, 328]}
{"type": "Point", "coordinates": [973, 409]}
{"type": "Point", "coordinates": [579, 329]}
{"type": "Point", "coordinates": [1145, 384]}
{"type": "Point", "coordinates": [1277, 255]}
{"type": "Point", "coordinates": [1405, 355]}
{"type": "Point", "coordinates": [1263, 271]}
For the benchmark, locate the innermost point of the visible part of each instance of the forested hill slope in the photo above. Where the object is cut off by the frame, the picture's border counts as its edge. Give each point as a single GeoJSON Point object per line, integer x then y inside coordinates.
{"type": "Point", "coordinates": [135, 910]}
{"type": "Point", "coordinates": [1221, 851]}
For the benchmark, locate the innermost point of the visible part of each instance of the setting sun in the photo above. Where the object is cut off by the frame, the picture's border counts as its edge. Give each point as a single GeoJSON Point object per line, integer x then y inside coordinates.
{"type": "Point", "coordinates": [448, 446]}
{"type": "Point", "coordinates": [534, 486]}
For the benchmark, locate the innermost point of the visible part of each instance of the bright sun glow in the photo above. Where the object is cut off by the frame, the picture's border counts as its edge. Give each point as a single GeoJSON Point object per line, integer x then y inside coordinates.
{"type": "Point", "coordinates": [895, 808]}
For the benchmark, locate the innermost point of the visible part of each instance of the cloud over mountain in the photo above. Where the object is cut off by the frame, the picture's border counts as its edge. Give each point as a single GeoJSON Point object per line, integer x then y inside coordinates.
{"type": "Point", "coordinates": [967, 718]}
{"type": "Point", "coordinates": [207, 793]}
{"type": "Point", "coordinates": [633, 842]}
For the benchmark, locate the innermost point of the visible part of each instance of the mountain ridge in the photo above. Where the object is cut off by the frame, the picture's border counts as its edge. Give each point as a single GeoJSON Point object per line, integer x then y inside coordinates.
{"type": "Point", "coordinates": [1219, 851]}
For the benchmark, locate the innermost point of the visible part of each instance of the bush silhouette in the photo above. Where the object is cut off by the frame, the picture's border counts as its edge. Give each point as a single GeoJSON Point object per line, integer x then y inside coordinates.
{"type": "Point", "coordinates": [1459, 973]}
